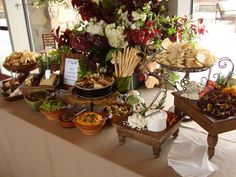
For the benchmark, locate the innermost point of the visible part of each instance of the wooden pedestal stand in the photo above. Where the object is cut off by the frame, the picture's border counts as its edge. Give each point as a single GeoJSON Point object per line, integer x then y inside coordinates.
{"type": "Point", "coordinates": [154, 139]}
{"type": "Point", "coordinates": [210, 124]}
{"type": "Point", "coordinates": [77, 100]}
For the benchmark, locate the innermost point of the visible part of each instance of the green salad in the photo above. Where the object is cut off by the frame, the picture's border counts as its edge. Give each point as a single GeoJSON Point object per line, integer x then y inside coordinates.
{"type": "Point", "coordinates": [52, 105]}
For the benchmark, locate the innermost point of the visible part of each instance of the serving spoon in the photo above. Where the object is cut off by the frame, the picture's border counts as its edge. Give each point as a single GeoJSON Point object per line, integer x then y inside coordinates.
{"type": "Point", "coordinates": [76, 114]}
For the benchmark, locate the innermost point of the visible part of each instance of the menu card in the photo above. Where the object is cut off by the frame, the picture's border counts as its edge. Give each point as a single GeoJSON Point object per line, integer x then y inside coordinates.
{"type": "Point", "coordinates": [71, 71]}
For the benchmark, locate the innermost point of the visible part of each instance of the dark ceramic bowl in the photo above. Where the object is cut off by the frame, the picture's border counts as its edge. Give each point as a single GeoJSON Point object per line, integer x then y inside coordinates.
{"type": "Point", "coordinates": [94, 92]}
{"type": "Point", "coordinates": [66, 120]}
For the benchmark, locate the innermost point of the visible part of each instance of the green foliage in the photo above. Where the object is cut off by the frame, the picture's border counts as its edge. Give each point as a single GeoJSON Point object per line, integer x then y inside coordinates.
{"type": "Point", "coordinates": [42, 63]}
{"type": "Point", "coordinates": [161, 103]}
{"type": "Point", "coordinates": [173, 76]}
{"type": "Point", "coordinates": [52, 105]}
{"type": "Point", "coordinates": [83, 71]}
{"type": "Point", "coordinates": [223, 81]}
{"type": "Point", "coordinates": [55, 55]}
{"type": "Point", "coordinates": [40, 3]}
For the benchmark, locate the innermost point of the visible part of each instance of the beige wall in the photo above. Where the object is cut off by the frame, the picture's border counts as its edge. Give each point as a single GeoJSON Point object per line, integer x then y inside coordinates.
{"type": "Point", "coordinates": [1, 6]}
{"type": "Point", "coordinates": [17, 26]}
{"type": "Point", "coordinates": [179, 7]}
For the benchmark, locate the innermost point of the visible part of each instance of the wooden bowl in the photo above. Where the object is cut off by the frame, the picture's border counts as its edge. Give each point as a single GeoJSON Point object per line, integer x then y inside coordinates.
{"type": "Point", "coordinates": [66, 120]}
{"type": "Point", "coordinates": [89, 129]}
{"type": "Point", "coordinates": [118, 111]}
{"type": "Point", "coordinates": [52, 115]}
{"type": "Point", "coordinates": [21, 68]}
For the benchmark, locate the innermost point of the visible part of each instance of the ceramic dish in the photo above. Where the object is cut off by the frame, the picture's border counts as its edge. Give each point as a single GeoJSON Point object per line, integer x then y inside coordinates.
{"type": "Point", "coordinates": [90, 123]}
{"type": "Point", "coordinates": [94, 92]}
{"type": "Point", "coordinates": [35, 99]}
{"type": "Point", "coordinates": [52, 108]}
{"type": "Point", "coordinates": [66, 120]}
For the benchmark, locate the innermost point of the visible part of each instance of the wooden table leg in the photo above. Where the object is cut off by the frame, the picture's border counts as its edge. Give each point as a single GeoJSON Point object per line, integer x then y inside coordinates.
{"type": "Point", "coordinates": [176, 133]}
{"type": "Point", "coordinates": [156, 151]}
{"type": "Point", "coordinates": [178, 111]}
{"type": "Point", "coordinates": [91, 106]}
{"type": "Point", "coordinates": [121, 139]}
{"type": "Point", "coordinates": [212, 141]}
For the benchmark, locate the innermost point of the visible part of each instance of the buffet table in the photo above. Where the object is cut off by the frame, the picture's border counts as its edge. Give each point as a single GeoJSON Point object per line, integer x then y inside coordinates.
{"type": "Point", "coordinates": [31, 145]}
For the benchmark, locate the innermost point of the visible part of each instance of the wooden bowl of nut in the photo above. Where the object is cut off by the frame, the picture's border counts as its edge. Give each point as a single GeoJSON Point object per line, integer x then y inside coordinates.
{"type": "Point", "coordinates": [117, 110]}
{"type": "Point", "coordinates": [21, 62]}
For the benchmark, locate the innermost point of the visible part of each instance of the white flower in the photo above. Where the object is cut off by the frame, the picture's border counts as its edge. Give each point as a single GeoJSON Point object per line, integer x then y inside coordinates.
{"type": "Point", "coordinates": [115, 36]}
{"type": "Point", "coordinates": [139, 16]}
{"type": "Point", "coordinates": [133, 26]}
{"type": "Point", "coordinates": [96, 28]}
{"type": "Point", "coordinates": [95, 1]}
{"type": "Point", "coordinates": [137, 121]}
{"type": "Point", "coordinates": [124, 18]}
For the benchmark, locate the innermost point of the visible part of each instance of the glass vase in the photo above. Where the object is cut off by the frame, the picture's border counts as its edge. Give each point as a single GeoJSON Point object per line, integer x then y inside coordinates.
{"type": "Point", "coordinates": [124, 84]}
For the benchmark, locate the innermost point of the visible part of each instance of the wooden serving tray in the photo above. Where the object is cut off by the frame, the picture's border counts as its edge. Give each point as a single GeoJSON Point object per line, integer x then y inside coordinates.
{"type": "Point", "coordinates": [154, 139]}
{"type": "Point", "coordinates": [78, 100]}
{"type": "Point", "coordinates": [27, 90]}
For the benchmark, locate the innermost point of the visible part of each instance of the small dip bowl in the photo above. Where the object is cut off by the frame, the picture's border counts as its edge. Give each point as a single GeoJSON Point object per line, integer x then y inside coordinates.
{"type": "Point", "coordinates": [66, 120]}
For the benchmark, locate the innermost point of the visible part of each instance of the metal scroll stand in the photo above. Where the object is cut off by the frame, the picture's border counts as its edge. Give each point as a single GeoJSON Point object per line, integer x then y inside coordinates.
{"type": "Point", "coordinates": [182, 84]}
{"type": "Point", "coordinates": [223, 63]}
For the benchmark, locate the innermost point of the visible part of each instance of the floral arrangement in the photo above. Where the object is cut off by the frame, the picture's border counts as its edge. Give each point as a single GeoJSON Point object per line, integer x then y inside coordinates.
{"type": "Point", "coordinates": [139, 118]}
{"type": "Point", "coordinates": [110, 25]}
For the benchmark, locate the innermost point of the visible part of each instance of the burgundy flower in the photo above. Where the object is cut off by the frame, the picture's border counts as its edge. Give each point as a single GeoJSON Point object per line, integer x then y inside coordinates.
{"type": "Point", "coordinates": [87, 12]}
{"type": "Point", "coordinates": [201, 30]}
{"type": "Point", "coordinates": [179, 30]}
{"type": "Point", "coordinates": [184, 18]}
{"type": "Point", "coordinates": [78, 3]}
{"type": "Point", "coordinates": [156, 33]}
{"type": "Point", "coordinates": [149, 23]}
{"type": "Point", "coordinates": [142, 36]}
{"type": "Point", "coordinates": [141, 77]}
{"type": "Point", "coordinates": [173, 38]}
{"type": "Point", "coordinates": [89, 9]}
{"type": "Point", "coordinates": [200, 20]}
{"type": "Point", "coordinates": [193, 26]}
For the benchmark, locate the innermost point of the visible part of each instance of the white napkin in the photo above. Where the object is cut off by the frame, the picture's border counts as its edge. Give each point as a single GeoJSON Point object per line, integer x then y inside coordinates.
{"type": "Point", "coordinates": [189, 158]}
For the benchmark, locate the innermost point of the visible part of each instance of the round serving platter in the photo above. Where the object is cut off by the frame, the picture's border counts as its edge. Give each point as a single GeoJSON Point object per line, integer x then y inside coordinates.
{"type": "Point", "coordinates": [196, 69]}
{"type": "Point", "coordinates": [91, 94]}
{"type": "Point", "coordinates": [94, 92]}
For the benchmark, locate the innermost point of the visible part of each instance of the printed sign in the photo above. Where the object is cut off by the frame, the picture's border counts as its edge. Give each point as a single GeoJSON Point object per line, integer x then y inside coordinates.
{"type": "Point", "coordinates": [71, 71]}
